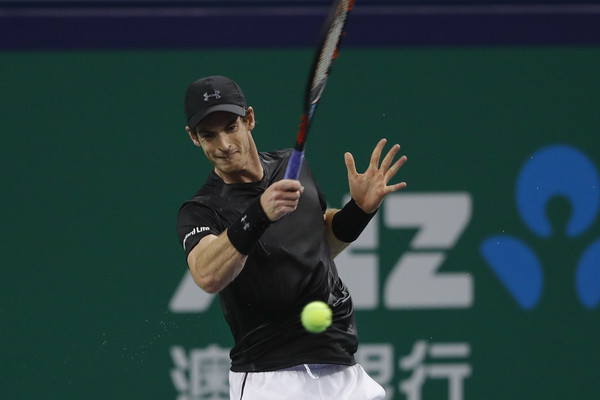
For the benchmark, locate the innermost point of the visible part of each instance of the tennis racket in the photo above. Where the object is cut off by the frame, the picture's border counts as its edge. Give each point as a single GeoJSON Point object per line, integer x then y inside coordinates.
{"type": "Point", "coordinates": [327, 52]}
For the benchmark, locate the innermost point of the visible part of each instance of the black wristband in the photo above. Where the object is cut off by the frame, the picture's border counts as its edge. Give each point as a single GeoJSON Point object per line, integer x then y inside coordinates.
{"type": "Point", "coordinates": [249, 227]}
{"type": "Point", "coordinates": [350, 221]}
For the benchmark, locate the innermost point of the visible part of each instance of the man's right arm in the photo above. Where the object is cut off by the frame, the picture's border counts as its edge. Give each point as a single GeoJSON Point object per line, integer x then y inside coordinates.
{"type": "Point", "coordinates": [217, 260]}
{"type": "Point", "coordinates": [214, 262]}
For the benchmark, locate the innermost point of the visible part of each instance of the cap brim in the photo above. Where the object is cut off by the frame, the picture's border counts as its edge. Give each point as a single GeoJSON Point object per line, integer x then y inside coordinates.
{"type": "Point", "coordinates": [196, 118]}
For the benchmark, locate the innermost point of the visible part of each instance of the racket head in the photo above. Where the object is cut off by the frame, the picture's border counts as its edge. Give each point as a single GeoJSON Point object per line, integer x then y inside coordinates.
{"type": "Point", "coordinates": [327, 52]}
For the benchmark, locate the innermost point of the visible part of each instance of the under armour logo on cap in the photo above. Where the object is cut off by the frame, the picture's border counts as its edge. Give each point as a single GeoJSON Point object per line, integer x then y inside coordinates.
{"type": "Point", "coordinates": [212, 94]}
{"type": "Point", "coordinates": [216, 95]}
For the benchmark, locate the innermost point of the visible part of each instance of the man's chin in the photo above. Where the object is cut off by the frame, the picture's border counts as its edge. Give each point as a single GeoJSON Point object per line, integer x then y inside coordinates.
{"type": "Point", "coordinates": [228, 167]}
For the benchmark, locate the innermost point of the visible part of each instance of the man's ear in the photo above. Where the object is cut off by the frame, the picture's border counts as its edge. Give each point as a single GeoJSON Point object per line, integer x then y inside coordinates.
{"type": "Point", "coordinates": [250, 118]}
{"type": "Point", "coordinates": [193, 136]}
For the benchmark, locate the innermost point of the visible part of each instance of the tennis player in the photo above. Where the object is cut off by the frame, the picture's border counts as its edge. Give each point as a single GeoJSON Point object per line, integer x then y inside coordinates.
{"type": "Point", "coordinates": [266, 246]}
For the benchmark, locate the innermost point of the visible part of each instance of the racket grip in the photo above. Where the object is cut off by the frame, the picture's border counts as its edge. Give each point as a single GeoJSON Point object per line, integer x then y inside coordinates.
{"type": "Point", "coordinates": [294, 165]}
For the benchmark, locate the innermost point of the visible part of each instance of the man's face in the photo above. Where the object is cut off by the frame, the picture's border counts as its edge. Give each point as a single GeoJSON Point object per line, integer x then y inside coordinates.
{"type": "Point", "coordinates": [225, 139]}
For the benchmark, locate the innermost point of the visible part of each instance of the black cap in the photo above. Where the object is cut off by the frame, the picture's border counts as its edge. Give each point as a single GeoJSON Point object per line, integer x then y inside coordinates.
{"type": "Point", "coordinates": [214, 93]}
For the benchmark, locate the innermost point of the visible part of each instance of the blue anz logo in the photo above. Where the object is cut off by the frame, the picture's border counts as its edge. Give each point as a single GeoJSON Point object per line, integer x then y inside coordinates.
{"type": "Point", "coordinates": [558, 170]}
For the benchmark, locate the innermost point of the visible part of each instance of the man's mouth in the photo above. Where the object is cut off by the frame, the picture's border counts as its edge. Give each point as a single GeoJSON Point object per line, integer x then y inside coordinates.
{"type": "Point", "coordinates": [227, 156]}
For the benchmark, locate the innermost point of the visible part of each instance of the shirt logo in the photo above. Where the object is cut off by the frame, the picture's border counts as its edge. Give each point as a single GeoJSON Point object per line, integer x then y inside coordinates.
{"type": "Point", "coordinates": [216, 95]}
{"type": "Point", "coordinates": [194, 231]}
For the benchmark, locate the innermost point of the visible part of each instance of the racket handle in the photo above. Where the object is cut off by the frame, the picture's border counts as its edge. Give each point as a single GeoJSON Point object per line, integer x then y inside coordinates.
{"type": "Point", "coordinates": [294, 164]}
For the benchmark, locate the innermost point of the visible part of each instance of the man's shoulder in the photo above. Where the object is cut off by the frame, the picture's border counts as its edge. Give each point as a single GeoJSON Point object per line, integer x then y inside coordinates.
{"type": "Point", "coordinates": [206, 194]}
{"type": "Point", "coordinates": [196, 204]}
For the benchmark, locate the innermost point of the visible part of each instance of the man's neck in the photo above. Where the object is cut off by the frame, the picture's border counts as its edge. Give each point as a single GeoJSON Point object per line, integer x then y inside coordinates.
{"type": "Point", "coordinates": [255, 174]}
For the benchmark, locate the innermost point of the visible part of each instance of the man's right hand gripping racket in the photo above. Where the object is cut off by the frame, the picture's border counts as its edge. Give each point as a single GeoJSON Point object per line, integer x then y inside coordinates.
{"type": "Point", "coordinates": [327, 51]}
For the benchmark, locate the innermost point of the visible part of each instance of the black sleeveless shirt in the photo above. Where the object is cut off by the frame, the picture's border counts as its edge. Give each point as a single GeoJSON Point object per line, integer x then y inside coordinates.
{"type": "Point", "coordinates": [290, 266]}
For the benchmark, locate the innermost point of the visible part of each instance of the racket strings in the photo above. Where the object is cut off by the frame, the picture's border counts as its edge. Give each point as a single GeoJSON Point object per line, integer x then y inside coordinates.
{"type": "Point", "coordinates": [329, 50]}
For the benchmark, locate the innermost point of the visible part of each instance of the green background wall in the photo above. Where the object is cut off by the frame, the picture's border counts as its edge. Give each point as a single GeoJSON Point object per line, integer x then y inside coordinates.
{"type": "Point", "coordinates": [96, 162]}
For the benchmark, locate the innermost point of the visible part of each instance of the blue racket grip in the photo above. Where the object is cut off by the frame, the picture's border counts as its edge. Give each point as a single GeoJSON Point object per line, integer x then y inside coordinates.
{"type": "Point", "coordinates": [294, 165]}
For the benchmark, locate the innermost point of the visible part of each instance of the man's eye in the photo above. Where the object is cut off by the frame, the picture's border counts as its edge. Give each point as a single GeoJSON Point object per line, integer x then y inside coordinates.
{"type": "Point", "coordinates": [231, 128]}
{"type": "Point", "coordinates": [207, 136]}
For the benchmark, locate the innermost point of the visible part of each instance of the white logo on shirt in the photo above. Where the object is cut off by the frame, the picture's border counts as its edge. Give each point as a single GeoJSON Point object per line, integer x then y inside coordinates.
{"type": "Point", "coordinates": [195, 231]}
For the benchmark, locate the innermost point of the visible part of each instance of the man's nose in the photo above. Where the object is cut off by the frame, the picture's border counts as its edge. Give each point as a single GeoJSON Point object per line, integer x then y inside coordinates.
{"type": "Point", "coordinates": [223, 141]}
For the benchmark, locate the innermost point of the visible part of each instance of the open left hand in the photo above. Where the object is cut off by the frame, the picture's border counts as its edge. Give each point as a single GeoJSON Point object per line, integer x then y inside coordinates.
{"type": "Point", "coordinates": [369, 188]}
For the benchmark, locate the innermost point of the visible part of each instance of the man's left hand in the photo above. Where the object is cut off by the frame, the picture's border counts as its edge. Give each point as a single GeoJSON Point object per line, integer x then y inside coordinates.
{"type": "Point", "coordinates": [369, 188]}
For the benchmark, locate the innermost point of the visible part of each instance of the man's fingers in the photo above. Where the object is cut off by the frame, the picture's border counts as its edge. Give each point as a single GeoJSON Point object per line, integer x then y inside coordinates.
{"type": "Point", "coordinates": [288, 195]}
{"type": "Point", "coordinates": [387, 161]}
{"type": "Point", "coordinates": [281, 198]}
{"type": "Point", "coordinates": [376, 155]}
{"type": "Point", "coordinates": [289, 185]}
{"type": "Point", "coordinates": [389, 174]}
{"type": "Point", "coordinates": [396, 187]}
{"type": "Point", "coordinates": [350, 165]}
{"type": "Point", "coordinates": [288, 189]}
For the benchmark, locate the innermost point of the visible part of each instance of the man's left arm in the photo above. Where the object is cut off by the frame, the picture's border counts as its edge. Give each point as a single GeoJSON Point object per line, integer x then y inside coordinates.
{"type": "Point", "coordinates": [336, 245]}
{"type": "Point", "coordinates": [367, 191]}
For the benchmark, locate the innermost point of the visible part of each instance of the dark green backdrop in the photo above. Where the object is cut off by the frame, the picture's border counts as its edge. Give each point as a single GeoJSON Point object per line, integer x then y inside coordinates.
{"type": "Point", "coordinates": [95, 163]}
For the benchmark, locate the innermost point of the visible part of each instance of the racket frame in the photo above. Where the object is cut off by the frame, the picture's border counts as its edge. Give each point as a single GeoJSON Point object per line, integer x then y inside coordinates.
{"type": "Point", "coordinates": [313, 95]}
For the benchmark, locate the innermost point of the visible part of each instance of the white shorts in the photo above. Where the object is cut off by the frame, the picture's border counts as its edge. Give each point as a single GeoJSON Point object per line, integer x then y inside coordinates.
{"type": "Point", "coordinates": [318, 382]}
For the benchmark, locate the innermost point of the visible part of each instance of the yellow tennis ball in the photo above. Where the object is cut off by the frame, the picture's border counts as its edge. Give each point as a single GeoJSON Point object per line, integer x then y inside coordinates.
{"type": "Point", "coordinates": [316, 316]}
